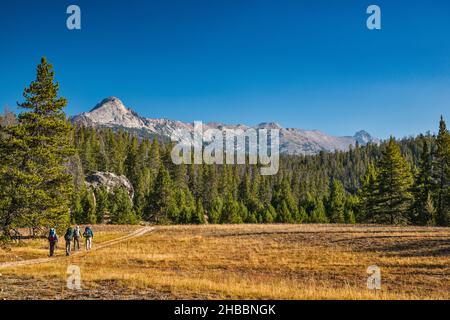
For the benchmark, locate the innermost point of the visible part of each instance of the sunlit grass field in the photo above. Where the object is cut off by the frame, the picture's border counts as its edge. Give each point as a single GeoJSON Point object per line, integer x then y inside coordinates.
{"type": "Point", "coordinates": [243, 262]}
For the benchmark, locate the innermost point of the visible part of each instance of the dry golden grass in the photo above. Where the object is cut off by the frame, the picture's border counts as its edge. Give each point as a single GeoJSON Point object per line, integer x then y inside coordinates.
{"type": "Point", "coordinates": [38, 248]}
{"type": "Point", "coordinates": [251, 262]}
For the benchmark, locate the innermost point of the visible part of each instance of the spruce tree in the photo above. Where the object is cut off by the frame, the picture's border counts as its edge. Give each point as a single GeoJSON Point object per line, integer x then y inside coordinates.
{"type": "Point", "coordinates": [36, 187]}
{"type": "Point", "coordinates": [318, 214]}
{"type": "Point", "coordinates": [215, 212]}
{"type": "Point", "coordinates": [303, 215]}
{"type": "Point", "coordinates": [243, 212]}
{"type": "Point", "coordinates": [76, 212]}
{"type": "Point", "coordinates": [352, 205]}
{"type": "Point", "coordinates": [154, 157]}
{"type": "Point", "coordinates": [349, 217]}
{"type": "Point", "coordinates": [283, 213]}
{"type": "Point", "coordinates": [368, 194]}
{"type": "Point", "coordinates": [269, 214]}
{"type": "Point", "coordinates": [131, 162]}
{"type": "Point", "coordinates": [230, 211]}
{"type": "Point", "coordinates": [184, 208]}
{"type": "Point", "coordinates": [336, 202]}
{"type": "Point", "coordinates": [284, 203]}
{"type": "Point", "coordinates": [101, 204]}
{"type": "Point", "coordinates": [394, 183]}
{"type": "Point", "coordinates": [141, 190]}
{"type": "Point", "coordinates": [421, 212]}
{"type": "Point", "coordinates": [88, 204]}
{"type": "Point", "coordinates": [161, 201]}
{"type": "Point", "coordinates": [121, 208]}
{"type": "Point", "coordinates": [199, 216]}
{"type": "Point", "coordinates": [442, 175]}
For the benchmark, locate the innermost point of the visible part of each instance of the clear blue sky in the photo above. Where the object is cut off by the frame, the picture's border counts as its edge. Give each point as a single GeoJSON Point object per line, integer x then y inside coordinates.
{"type": "Point", "coordinates": [306, 64]}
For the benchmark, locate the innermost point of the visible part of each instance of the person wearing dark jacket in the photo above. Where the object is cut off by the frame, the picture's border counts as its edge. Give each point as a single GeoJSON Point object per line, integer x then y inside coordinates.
{"type": "Point", "coordinates": [52, 240]}
{"type": "Point", "coordinates": [88, 236]}
{"type": "Point", "coordinates": [68, 237]}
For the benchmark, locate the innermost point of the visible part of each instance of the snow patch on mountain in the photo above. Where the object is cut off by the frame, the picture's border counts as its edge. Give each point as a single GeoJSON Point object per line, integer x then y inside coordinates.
{"type": "Point", "coordinates": [111, 112]}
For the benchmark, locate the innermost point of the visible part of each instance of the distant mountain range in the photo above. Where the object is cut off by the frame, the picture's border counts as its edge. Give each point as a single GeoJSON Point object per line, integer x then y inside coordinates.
{"type": "Point", "coordinates": [112, 113]}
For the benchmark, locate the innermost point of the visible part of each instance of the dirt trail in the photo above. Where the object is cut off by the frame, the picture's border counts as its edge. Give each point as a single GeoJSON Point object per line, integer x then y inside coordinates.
{"type": "Point", "coordinates": [138, 233]}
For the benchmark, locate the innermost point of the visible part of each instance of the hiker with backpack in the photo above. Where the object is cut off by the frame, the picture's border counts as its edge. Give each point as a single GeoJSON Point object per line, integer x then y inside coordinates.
{"type": "Point", "coordinates": [68, 237]}
{"type": "Point", "coordinates": [52, 240]}
{"type": "Point", "coordinates": [76, 238]}
{"type": "Point", "coordinates": [88, 235]}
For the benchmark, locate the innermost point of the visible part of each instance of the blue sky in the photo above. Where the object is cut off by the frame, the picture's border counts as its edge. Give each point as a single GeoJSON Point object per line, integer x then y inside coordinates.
{"type": "Point", "coordinates": [306, 64]}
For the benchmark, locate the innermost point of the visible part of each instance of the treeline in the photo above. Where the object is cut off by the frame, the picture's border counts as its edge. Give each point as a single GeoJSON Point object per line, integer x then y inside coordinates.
{"type": "Point", "coordinates": [397, 182]}
{"type": "Point", "coordinates": [44, 162]}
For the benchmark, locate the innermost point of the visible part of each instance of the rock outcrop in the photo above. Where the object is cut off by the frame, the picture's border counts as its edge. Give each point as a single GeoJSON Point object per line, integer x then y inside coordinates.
{"type": "Point", "coordinates": [110, 181]}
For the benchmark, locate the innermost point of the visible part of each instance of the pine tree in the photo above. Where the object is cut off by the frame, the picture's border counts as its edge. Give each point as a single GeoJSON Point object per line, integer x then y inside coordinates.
{"type": "Point", "coordinates": [199, 216]}
{"type": "Point", "coordinates": [88, 204]}
{"type": "Point", "coordinates": [141, 191]}
{"type": "Point", "coordinates": [352, 205]}
{"type": "Point", "coordinates": [210, 188]}
{"type": "Point", "coordinates": [442, 175]}
{"type": "Point", "coordinates": [265, 191]}
{"type": "Point", "coordinates": [161, 200]}
{"type": "Point", "coordinates": [154, 157]}
{"type": "Point", "coordinates": [430, 211]}
{"type": "Point", "coordinates": [216, 211]}
{"type": "Point", "coordinates": [101, 204]}
{"type": "Point", "coordinates": [423, 185]}
{"type": "Point", "coordinates": [243, 212]}
{"type": "Point", "coordinates": [307, 203]}
{"type": "Point", "coordinates": [247, 195]}
{"type": "Point", "coordinates": [121, 208]}
{"type": "Point", "coordinates": [284, 203]}
{"type": "Point", "coordinates": [283, 213]}
{"type": "Point", "coordinates": [303, 215]}
{"type": "Point", "coordinates": [184, 208]}
{"type": "Point", "coordinates": [230, 211]}
{"type": "Point", "coordinates": [269, 214]}
{"type": "Point", "coordinates": [131, 162]}
{"type": "Point", "coordinates": [76, 212]}
{"type": "Point", "coordinates": [349, 217]}
{"type": "Point", "coordinates": [336, 202]}
{"type": "Point", "coordinates": [368, 194]}
{"type": "Point", "coordinates": [318, 214]}
{"type": "Point", "coordinates": [394, 181]}
{"type": "Point", "coordinates": [36, 189]}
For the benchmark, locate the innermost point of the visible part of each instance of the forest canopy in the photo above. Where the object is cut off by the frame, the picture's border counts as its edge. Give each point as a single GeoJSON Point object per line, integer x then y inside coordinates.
{"type": "Point", "coordinates": [44, 161]}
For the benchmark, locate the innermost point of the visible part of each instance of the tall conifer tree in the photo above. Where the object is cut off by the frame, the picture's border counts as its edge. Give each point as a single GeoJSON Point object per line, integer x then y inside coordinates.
{"type": "Point", "coordinates": [442, 175]}
{"type": "Point", "coordinates": [37, 188]}
{"type": "Point", "coordinates": [422, 211]}
{"type": "Point", "coordinates": [394, 182]}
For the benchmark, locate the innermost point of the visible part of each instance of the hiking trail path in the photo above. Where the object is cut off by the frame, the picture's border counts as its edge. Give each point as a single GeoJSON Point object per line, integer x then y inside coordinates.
{"type": "Point", "coordinates": [135, 234]}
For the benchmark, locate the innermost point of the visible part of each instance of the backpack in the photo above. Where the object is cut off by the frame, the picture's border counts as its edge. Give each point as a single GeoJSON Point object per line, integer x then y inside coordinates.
{"type": "Point", "coordinates": [69, 235]}
{"type": "Point", "coordinates": [88, 233]}
{"type": "Point", "coordinates": [52, 235]}
{"type": "Point", "coordinates": [77, 233]}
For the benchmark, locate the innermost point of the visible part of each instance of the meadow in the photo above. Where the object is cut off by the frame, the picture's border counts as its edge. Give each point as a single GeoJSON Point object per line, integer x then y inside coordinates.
{"type": "Point", "coordinates": [241, 262]}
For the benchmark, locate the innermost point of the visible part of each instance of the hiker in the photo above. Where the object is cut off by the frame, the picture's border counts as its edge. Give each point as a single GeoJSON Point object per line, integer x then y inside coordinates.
{"type": "Point", "coordinates": [76, 238]}
{"type": "Point", "coordinates": [88, 235]}
{"type": "Point", "coordinates": [53, 240]}
{"type": "Point", "coordinates": [68, 237]}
